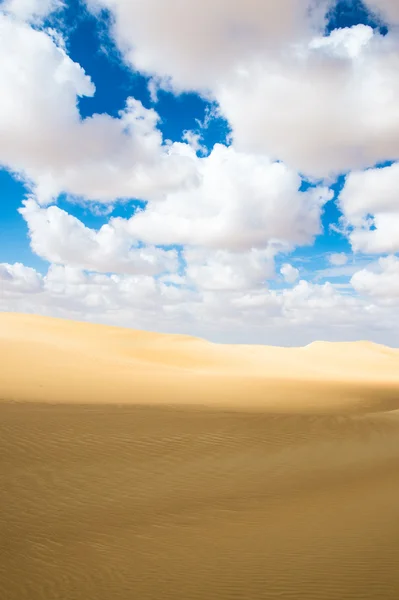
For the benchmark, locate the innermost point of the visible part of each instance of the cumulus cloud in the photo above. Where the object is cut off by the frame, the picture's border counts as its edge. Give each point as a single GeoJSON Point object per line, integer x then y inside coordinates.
{"type": "Point", "coordinates": [293, 316]}
{"type": "Point", "coordinates": [61, 238]}
{"type": "Point", "coordinates": [242, 202]}
{"type": "Point", "coordinates": [98, 294]}
{"type": "Point", "coordinates": [191, 44]}
{"type": "Point", "coordinates": [193, 139]}
{"type": "Point", "coordinates": [223, 270]}
{"type": "Point", "coordinates": [233, 222]}
{"type": "Point", "coordinates": [380, 281]}
{"type": "Point", "coordinates": [308, 301]}
{"type": "Point", "coordinates": [326, 108]}
{"type": "Point", "coordinates": [18, 279]}
{"type": "Point", "coordinates": [289, 273]}
{"type": "Point", "coordinates": [295, 100]}
{"type": "Point", "coordinates": [139, 301]}
{"type": "Point", "coordinates": [43, 137]}
{"type": "Point", "coordinates": [370, 205]}
{"type": "Point", "coordinates": [324, 105]}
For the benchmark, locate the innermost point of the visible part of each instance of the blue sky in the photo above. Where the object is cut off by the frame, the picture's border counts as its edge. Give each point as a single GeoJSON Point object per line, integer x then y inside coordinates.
{"type": "Point", "coordinates": [336, 248]}
{"type": "Point", "coordinates": [89, 44]}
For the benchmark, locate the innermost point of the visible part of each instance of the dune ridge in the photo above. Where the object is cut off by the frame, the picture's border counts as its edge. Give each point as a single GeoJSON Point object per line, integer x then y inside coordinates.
{"type": "Point", "coordinates": [136, 465]}
{"type": "Point", "coordinates": [54, 360]}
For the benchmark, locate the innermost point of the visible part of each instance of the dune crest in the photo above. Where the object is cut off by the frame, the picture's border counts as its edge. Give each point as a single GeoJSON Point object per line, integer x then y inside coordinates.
{"type": "Point", "coordinates": [54, 360]}
{"type": "Point", "coordinates": [268, 473]}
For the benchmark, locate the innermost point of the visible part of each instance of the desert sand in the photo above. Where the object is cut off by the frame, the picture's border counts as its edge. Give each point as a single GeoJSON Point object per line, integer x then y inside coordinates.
{"type": "Point", "coordinates": [136, 465]}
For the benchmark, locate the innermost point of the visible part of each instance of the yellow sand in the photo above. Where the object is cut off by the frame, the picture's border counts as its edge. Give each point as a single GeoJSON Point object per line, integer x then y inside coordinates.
{"type": "Point", "coordinates": [143, 466]}
{"type": "Point", "coordinates": [54, 360]}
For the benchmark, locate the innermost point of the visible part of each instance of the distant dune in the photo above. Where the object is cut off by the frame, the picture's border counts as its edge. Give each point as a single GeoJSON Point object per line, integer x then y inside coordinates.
{"type": "Point", "coordinates": [141, 466]}
{"type": "Point", "coordinates": [54, 360]}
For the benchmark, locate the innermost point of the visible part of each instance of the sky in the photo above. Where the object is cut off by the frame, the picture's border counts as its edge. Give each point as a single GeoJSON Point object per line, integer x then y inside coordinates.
{"type": "Point", "coordinates": [221, 168]}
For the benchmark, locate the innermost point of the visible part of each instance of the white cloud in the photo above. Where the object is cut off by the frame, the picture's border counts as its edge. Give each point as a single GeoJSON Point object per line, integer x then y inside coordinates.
{"type": "Point", "coordinates": [193, 43]}
{"type": "Point", "coordinates": [309, 302]}
{"type": "Point", "coordinates": [378, 235]}
{"type": "Point", "coordinates": [338, 259]}
{"type": "Point", "coordinates": [289, 273]}
{"type": "Point", "coordinates": [61, 238]}
{"type": "Point", "coordinates": [244, 210]}
{"type": "Point", "coordinates": [381, 281]}
{"type": "Point", "coordinates": [223, 270]}
{"type": "Point", "coordinates": [370, 205]}
{"type": "Point", "coordinates": [323, 105]}
{"type": "Point", "coordinates": [326, 108]}
{"type": "Point", "coordinates": [193, 139]}
{"type": "Point", "coordinates": [132, 300]}
{"type": "Point", "coordinates": [43, 137]}
{"type": "Point", "coordinates": [227, 199]}
{"type": "Point", "coordinates": [96, 294]}
{"type": "Point", "coordinates": [31, 10]}
{"type": "Point", "coordinates": [294, 316]}
{"type": "Point", "coordinates": [294, 100]}
{"type": "Point", "coordinates": [243, 202]}
{"type": "Point", "coordinates": [18, 279]}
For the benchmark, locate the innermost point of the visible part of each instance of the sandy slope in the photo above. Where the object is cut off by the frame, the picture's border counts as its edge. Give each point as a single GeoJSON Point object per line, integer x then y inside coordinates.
{"type": "Point", "coordinates": [62, 361]}
{"type": "Point", "coordinates": [105, 494]}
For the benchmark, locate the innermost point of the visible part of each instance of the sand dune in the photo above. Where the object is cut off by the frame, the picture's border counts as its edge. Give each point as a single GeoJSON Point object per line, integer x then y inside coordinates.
{"type": "Point", "coordinates": [55, 360]}
{"type": "Point", "coordinates": [143, 466]}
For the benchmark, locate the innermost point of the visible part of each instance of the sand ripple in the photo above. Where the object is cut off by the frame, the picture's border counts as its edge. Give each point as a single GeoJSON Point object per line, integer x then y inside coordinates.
{"type": "Point", "coordinates": [109, 503]}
